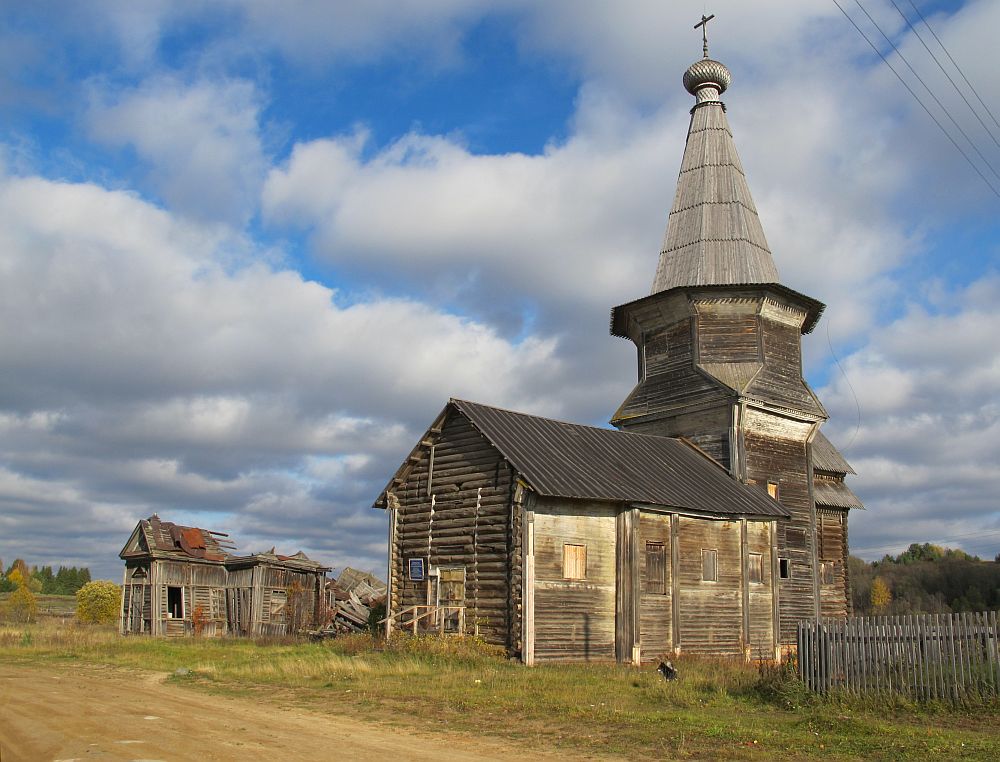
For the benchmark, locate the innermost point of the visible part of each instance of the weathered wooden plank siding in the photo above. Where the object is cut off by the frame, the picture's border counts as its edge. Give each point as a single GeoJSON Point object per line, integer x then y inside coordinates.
{"type": "Point", "coordinates": [780, 381]}
{"type": "Point", "coordinates": [708, 428]}
{"type": "Point", "coordinates": [832, 547]}
{"type": "Point", "coordinates": [760, 595]}
{"type": "Point", "coordinates": [655, 606]}
{"type": "Point", "coordinates": [776, 452]}
{"type": "Point", "coordinates": [471, 490]}
{"type": "Point", "coordinates": [574, 618]}
{"type": "Point", "coordinates": [711, 620]}
{"type": "Point", "coordinates": [668, 380]}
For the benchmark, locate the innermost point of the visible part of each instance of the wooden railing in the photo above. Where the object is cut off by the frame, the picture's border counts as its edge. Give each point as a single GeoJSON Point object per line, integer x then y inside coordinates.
{"type": "Point", "coordinates": [931, 657]}
{"type": "Point", "coordinates": [445, 620]}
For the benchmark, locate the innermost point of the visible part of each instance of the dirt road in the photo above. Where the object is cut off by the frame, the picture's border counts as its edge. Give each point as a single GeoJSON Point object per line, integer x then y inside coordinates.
{"type": "Point", "coordinates": [83, 713]}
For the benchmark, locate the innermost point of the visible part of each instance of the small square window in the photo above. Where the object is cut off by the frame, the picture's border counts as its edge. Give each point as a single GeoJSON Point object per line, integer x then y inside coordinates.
{"type": "Point", "coordinates": [784, 568]}
{"type": "Point", "coordinates": [756, 568]}
{"type": "Point", "coordinates": [574, 561]}
{"type": "Point", "coordinates": [710, 565]}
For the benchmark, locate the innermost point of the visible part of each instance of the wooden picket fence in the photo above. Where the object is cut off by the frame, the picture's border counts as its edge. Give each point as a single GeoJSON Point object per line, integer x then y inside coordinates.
{"type": "Point", "coordinates": [929, 657]}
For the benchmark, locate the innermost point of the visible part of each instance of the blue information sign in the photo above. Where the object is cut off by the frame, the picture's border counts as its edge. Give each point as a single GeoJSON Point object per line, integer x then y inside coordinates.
{"type": "Point", "coordinates": [416, 568]}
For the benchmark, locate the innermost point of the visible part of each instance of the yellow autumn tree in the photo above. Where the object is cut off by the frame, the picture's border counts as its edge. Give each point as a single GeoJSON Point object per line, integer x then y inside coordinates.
{"type": "Point", "coordinates": [21, 606]}
{"type": "Point", "coordinates": [881, 595]}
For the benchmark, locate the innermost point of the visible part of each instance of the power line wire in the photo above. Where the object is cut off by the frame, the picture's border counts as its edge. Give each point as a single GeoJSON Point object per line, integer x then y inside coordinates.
{"type": "Point", "coordinates": [916, 97]}
{"type": "Point", "coordinates": [945, 72]}
{"type": "Point", "coordinates": [955, 538]}
{"type": "Point", "coordinates": [930, 92]}
{"type": "Point", "coordinates": [955, 63]}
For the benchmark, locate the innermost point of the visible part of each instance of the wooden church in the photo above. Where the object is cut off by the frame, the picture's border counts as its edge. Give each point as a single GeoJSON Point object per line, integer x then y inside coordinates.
{"type": "Point", "coordinates": [711, 520]}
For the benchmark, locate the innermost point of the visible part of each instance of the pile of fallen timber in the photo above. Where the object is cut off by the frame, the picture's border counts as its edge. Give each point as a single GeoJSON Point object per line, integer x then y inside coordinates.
{"type": "Point", "coordinates": [350, 599]}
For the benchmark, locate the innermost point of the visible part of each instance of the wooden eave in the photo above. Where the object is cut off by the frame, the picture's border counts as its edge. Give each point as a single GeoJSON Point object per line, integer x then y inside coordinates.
{"type": "Point", "coordinates": [619, 324]}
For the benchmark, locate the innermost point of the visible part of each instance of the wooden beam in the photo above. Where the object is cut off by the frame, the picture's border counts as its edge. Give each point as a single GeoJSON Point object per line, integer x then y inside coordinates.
{"type": "Point", "coordinates": [528, 591]}
{"type": "Point", "coordinates": [675, 583]}
{"type": "Point", "coordinates": [745, 588]}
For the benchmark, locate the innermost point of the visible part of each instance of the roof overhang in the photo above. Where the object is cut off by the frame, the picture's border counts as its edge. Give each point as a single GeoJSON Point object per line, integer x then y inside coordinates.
{"type": "Point", "coordinates": [814, 309]}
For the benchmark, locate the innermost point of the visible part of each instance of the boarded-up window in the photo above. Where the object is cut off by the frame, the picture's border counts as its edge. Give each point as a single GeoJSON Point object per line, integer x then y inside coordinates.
{"type": "Point", "coordinates": [656, 568]}
{"type": "Point", "coordinates": [755, 565]}
{"type": "Point", "coordinates": [575, 561]}
{"type": "Point", "coordinates": [278, 600]}
{"type": "Point", "coordinates": [772, 489]}
{"type": "Point", "coordinates": [710, 565]}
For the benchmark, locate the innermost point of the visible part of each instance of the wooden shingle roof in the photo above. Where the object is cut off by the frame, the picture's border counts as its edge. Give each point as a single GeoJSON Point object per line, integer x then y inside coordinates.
{"type": "Point", "coordinates": [560, 459]}
{"type": "Point", "coordinates": [714, 235]}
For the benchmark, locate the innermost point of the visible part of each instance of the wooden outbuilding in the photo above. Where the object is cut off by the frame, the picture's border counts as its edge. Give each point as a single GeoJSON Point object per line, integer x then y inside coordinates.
{"type": "Point", "coordinates": [712, 521]}
{"type": "Point", "coordinates": [182, 580]}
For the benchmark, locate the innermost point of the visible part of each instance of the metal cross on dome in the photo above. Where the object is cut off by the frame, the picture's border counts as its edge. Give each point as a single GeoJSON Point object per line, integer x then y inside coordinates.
{"type": "Point", "coordinates": [704, 31]}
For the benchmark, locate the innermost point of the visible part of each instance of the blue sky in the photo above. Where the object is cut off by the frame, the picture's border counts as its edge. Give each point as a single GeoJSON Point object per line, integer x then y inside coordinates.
{"type": "Point", "coordinates": [248, 250]}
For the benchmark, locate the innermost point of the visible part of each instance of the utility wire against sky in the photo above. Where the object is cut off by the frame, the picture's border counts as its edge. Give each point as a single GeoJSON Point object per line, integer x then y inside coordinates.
{"type": "Point", "coordinates": [916, 97]}
{"type": "Point", "coordinates": [944, 71]}
{"type": "Point", "coordinates": [955, 64]}
{"type": "Point", "coordinates": [930, 92]}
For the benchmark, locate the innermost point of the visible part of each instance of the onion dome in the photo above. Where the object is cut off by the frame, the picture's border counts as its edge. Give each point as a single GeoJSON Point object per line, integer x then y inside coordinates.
{"type": "Point", "coordinates": [707, 73]}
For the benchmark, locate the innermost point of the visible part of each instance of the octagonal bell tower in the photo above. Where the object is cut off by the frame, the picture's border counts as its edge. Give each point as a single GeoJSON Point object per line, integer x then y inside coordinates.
{"type": "Point", "coordinates": [719, 346]}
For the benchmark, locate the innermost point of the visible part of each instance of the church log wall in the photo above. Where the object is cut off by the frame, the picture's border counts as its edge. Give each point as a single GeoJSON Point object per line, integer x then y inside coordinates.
{"type": "Point", "coordinates": [656, 613]}
{"type": "Point", "coordinates": [832, 550]}
{"type": "Point", "coordinates": [711, 620]}
{"type": "Point", "coordinates": [776, 452]}
{"type": "Point", "coordinates": [574, 588]}
{"type": "Point", "coordinates": [470, 486]}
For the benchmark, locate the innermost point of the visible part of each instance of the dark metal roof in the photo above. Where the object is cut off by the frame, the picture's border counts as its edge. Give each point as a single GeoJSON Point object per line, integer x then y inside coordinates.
{"type": "Point", "coordinates": [560, 459]}
{"type": "Point", "coordinates": [833, 494]}
{"type": "Point", "coordinates": [827, 458]}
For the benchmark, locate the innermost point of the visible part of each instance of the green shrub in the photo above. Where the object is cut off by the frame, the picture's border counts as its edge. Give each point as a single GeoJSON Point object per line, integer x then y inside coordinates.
{"type": "Point", "coordinates": [98, 602]}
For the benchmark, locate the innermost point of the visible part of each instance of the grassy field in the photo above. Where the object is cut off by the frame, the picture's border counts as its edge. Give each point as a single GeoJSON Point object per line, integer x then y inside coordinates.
{"type": "Point", "coordinates": [717, 709]}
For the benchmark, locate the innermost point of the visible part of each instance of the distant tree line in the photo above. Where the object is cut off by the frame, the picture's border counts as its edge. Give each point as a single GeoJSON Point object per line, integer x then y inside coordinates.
{"type": "Point", "coordinates": [925, 579]}
{"type": "Point", "coordinates": [65, 581]}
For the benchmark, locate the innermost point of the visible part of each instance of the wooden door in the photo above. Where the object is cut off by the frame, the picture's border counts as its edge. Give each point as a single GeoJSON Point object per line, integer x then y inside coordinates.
{"type": "Point", "coordinates": [451, 596]}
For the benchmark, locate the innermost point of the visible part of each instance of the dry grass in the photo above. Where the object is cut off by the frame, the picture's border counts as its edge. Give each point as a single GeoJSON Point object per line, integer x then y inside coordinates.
{"type": "Point", "coordinates": [717, 709]}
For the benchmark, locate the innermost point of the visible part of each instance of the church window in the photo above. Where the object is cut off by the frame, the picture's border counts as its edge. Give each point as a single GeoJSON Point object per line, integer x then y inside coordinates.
{"type": "Point", "coordinates": [772, 489]}
{"type": "Point", "coordinates": [710, 565]}
{"type": "Point", "coordinates": [755, 566]}
{"type": "Point", "coordinates": [828, 572]}
{"type": "Point", "coordinates": [784, 568]}
{"type": "Point", "coordinates": [656, 568]}
{"type": "Point", "coordinates": [574, 561]}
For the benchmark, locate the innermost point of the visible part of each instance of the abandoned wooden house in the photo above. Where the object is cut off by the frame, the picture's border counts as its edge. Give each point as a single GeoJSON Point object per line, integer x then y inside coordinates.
{"type": "Point", "coordinates": [711, 521]}
{"type": "Point", "coordinates": [182, 581]}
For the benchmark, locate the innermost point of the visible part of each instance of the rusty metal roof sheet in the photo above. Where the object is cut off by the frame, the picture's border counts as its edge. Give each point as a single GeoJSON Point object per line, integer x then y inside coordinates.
{"type": "Point", "coordinates": [826, 457]}
{"type": "Point", "coordinates": [561, 459]}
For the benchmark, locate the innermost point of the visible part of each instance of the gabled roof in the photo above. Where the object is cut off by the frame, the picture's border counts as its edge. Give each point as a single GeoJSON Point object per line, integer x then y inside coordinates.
{"type": "Point", "coordinates": [559, 459]}
{"type": "Point", "coordinates": [714, 236]}
{"type": "Point", "coordinates": [826, 457]}
{"type": "Point", "coordinates": [154, 536]}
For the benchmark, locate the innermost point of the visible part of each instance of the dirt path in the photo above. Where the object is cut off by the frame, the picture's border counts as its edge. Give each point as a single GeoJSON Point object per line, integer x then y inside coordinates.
{"type": "Point", "coordinates": [58, 713]}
